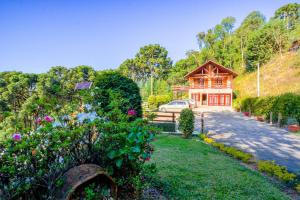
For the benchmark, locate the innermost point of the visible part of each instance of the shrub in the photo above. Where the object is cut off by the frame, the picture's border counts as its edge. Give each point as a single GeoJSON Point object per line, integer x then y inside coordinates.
{"type": "Point", "coordinates": [276, 170]}
{"type": "Point", "coordinates": [107, 81]}
{"type": "Point", "coordinates": [154, 101]}
{"type": "Point", "coordinates": [291, 121]}
{"type": "Point", "coordinates": [186, 122]}
{"type": "Point", "coordinates": [287, 104]}
{"type": "Point", "coordinates": [165, 126]}
{"type": "Point", "coordinates": [150, 115]}
{"type": "Point", "coordinates": [208, 140]}
{"type": "Point", "coordinates": [238, 154]}
{"type": "Point", "coordinates": [32, 162]}
{"type": "Point", "coordinates": [298, 187]}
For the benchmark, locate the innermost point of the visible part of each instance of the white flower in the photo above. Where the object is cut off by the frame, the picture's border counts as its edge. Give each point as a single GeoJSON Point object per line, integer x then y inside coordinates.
{"type": "Point", "coordinates": [88, 106]}
{"type": "Point", "coordinates": [61, 160]}
{"type": "Point", "coordinates": [56, 124]}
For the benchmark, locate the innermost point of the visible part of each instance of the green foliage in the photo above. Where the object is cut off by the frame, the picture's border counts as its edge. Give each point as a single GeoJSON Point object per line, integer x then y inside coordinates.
{"type": "Point", "coordinates": [121, 147]}
{"type": "Point", "coordinates": [165, 126]}
{"type": "Point", "coordinates": [129, 92]}
{"type": "Point", "coordinates": [186, 122]}
{"type": "Point", "coordinates": [154, 101]}
{"type": "Point", "coordinates": [276, 170]}
{"type": "Point", "coordinates": [151, 60]}
{"type": "Point", "coordinates": [183, 67]}
{"type": "Point", "coordinates": [25, 97]}
{"type": "Point", "coordinates": [234, 152]}
{"type": "Point", "coordinates": [266, 42]}
{"type": "Point", "coordinates": [290, 14]}
{"type": "Point", "coordinates": [288, 105]}
{"type": "Point", "coordinates": [90, 193]}
{"type": "Point", "coordinates": [298, 187]}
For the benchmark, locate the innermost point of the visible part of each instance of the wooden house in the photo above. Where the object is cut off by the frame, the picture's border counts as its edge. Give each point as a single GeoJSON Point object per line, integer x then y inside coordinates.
{"type": "Point", "coordinates": [210, 86]}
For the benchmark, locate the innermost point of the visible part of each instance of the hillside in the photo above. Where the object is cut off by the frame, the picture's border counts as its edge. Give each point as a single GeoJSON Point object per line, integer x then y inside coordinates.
{"type": "Point", "coordinates": [275, 78]}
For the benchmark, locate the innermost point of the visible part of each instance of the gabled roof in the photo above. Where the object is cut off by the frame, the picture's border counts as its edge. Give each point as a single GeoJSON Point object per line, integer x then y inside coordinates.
{"type": "Point", "coordinates": [225, 69]}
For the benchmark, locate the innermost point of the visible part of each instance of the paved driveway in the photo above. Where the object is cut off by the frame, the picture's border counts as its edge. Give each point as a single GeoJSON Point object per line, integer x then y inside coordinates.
{"type": "Point", "coordinates": [262, 140]}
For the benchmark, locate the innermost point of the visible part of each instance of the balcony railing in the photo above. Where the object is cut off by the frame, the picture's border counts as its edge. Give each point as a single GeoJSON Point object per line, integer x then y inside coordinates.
{"type": "Point", "coordinates": [185, 88]}
{"type": "Point", "coordinates": [210, 86]}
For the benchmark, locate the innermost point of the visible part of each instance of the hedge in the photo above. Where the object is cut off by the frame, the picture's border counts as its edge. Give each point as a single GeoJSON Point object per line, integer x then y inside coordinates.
{"type": "Point", "coordinates": [165, 126]}
{"type": "Point", "coordinates": [287, 104]}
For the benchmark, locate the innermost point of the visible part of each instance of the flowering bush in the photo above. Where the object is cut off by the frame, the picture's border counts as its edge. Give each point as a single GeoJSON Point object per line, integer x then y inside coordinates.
{"type": "Point", "coordinates": [131, 112]}
{"type": "Point", "coordinates": [32, 161]}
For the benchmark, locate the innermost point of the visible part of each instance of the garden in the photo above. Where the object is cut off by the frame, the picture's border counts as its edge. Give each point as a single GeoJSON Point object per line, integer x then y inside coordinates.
{"type": "Point", "coordinates": [93, 143]}
{"type": "Point", "coordinates": [101, 127]}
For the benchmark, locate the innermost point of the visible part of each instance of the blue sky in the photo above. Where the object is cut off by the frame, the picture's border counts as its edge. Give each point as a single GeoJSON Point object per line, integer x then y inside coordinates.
{"type": "Point", "coordinates": [38, 34]}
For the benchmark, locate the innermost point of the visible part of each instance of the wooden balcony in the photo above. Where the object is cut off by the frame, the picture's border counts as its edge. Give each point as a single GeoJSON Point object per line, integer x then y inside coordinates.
{"type": "Point", "coordinates": [186, 88]}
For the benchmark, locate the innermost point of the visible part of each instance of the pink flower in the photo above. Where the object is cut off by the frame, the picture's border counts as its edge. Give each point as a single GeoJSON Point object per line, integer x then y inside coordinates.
{"type": "Point", "coordinates": [147, 159]}
{"type": "Point", "coordinates": [131, 112]}
{"type": "Point", "coordinates": [48, 119]}
{"type": "Point", "coordinates": [16, 137]}
{"type": "Point", "coordinates": [38, 120]}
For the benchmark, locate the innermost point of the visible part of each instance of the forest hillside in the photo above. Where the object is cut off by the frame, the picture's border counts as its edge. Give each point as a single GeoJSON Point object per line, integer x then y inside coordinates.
{"type": "Point", "coordinates": [280, 75]}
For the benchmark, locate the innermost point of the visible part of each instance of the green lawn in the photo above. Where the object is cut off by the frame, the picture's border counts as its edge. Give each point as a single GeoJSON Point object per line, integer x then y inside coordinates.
{"type": "Point", "coordinates": [191, 169]}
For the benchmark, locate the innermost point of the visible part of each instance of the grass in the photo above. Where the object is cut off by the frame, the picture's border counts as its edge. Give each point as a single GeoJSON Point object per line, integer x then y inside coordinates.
{"type": "Point", "coordinates": [191, 169]}
{"type": "Point", "coordinates": [278, 76]}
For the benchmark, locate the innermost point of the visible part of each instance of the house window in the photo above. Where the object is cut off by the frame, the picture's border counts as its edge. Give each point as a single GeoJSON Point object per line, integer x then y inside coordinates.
{"type": "Point", "coordinates": [219, 100]}
{"type": "Point", "coordinates": [201, 82]}
{"type": "Point", "coordinates": [219, 82]}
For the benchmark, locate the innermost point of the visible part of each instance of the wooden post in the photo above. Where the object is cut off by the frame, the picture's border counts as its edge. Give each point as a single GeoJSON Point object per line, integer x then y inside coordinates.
{"type": "Point", "coordinates": [202, 123]}
{"type": "Point", "coordinates": [173, 117]}
{"type": "Point", "coordinates": [258, 86]}
{"type": "Point", "coordinates": [271, 118]}
{"type": "Point", "coordinates": [279, 119]}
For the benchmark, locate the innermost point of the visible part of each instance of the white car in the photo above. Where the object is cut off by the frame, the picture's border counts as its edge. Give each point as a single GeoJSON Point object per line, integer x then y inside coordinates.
{"type": "Point", "coordinates": [174, 106]}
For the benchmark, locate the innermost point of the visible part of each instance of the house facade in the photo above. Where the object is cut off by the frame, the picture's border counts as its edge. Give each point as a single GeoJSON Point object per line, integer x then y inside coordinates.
{"type": "Point", "coordinates": [210, 86]}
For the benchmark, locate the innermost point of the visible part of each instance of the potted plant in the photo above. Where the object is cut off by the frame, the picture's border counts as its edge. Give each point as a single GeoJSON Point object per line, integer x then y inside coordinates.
{"type": "Point", "coordinates": [247, 114]}
{"type": "Point", "coordinates": [260, 118]}
{"type": "Point", "coordinates": [293, 125]}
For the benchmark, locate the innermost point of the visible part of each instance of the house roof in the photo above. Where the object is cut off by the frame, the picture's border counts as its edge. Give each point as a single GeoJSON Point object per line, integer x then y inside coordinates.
{"type": "Point", "coordinates": [225, 69]}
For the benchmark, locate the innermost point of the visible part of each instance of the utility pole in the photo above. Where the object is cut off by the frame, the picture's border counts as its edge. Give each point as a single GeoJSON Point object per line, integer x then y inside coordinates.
{"type": "Point", "coordinates": [258, 86]}
{"type": "Point", "coordinates": [151, 83]}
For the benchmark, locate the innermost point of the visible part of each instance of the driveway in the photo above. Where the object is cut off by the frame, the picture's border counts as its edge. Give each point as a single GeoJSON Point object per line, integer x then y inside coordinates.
{"type": "Point", "coordinates": [262, 140]}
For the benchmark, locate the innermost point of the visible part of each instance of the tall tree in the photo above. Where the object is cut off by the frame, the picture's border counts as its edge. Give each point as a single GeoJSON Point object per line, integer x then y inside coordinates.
{"type": "Point", "coordinates": [253, 22]}
{"type": "Point", "coordinates": [130, 69]}
{"type": "Point", "coordinates": [290, 14]}
{"type": "Point", "coordinates": [153, 62]}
